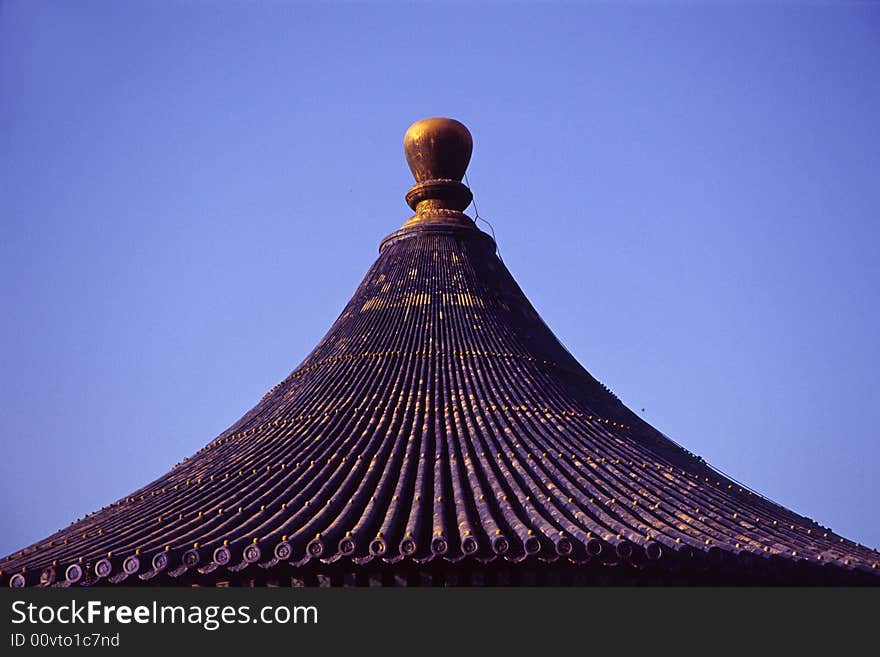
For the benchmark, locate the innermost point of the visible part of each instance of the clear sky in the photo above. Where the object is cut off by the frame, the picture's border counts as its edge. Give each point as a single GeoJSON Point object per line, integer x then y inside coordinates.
{"type": "Point", "coordinates": [191, 191]}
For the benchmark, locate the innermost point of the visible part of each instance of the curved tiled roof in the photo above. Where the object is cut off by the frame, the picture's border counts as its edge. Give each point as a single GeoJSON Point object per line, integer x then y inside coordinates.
{"type": "Point", "coordinates": [438, 419]}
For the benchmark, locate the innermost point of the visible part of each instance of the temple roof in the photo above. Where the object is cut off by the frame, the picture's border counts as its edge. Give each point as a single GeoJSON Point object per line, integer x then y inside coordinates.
{"type": "Point", "coordinates": [439, 419]}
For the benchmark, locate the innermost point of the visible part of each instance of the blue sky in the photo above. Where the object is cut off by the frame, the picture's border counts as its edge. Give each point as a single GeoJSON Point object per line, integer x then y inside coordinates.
{"type": "Point", "coordinates": [191, 191]}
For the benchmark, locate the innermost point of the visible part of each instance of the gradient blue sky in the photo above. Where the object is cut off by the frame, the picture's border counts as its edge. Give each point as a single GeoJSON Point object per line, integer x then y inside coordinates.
{"type": "Point", "coordinates": [191, 191]}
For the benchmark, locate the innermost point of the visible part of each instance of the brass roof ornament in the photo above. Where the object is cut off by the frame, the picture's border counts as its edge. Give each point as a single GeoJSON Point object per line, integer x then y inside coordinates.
{"type": "Point", "coordinates": [438, 151]}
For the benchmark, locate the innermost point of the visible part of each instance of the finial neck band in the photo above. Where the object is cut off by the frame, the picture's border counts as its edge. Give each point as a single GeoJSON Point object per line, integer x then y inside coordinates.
{"type": "Point", "coordinates": [438, 194]}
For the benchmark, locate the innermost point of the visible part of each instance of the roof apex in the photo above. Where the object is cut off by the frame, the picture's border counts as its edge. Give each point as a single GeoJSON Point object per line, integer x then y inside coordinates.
{"type": "Point", "coordinates": [438, 151]}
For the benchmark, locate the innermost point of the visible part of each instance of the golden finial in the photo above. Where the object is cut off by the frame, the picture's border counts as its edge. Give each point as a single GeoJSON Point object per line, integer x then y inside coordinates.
{"type": "Point", "coordinates": [438, 151]}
